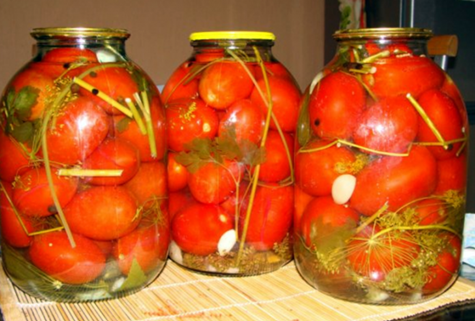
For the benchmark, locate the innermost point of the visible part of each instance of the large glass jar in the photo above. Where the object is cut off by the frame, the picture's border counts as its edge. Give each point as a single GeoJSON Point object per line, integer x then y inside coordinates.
{"type": "Point", "coordinates": [380, 166]}
{"type": "Point", "coordinates": [231, 110]}
{"type": "Point", "coordinates": [82, 168]}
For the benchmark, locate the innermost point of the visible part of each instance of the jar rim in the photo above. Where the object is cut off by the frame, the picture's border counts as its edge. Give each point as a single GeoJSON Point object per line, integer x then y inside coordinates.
{"type": "Point", "coordinates": [381, 33]}
{"type": "Point", "coordinates": [233, 35]}
{"type": "Point", "coordinates": [81, 32]}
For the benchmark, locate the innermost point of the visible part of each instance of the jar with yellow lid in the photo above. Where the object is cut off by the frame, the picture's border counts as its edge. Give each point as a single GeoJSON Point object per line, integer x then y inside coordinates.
{"type": "Point", "coordinates": [231, 111]}
{"type": "Point", "coordinates": [381, 171]}
{"type": "Point", "coordinates": [82, 166]}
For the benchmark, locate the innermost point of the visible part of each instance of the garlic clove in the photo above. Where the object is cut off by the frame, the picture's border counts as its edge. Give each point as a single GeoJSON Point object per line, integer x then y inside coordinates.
{"type": "Point", "coordinates": [175, 253]}
{"type": "Point", "coordinates": [226, 242]}
{"type": "Point", "coordinates": [343, 188]}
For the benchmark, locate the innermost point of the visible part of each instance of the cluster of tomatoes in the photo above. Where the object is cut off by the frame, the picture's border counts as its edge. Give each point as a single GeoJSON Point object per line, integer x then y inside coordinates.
{"type": "Point", "coordinates": [229, 162]}
{"type": "Point", "coordinates": [381, 174]}
{"type": "Point", "coordinates": [83, 179]}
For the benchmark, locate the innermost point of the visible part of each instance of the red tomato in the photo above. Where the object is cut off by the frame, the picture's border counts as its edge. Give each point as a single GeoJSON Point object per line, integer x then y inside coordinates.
{"type": "Point", "coordinates": [273, 69]}
{"type": "Point", "coordinates": [181, 84]}
{"type": "Point", "coordinates": [441, 275]}
{"type": "Point", "coordinates": [452, 174]}
{"type": "Point", "coordinates": [246, 120]}
{"type": "Point", "coordinates": [115, 82]}
{"type": "Point", "coordinates": [52, 253]}
{"type": "Point", "coordinates": [301, 201]}
{"type": "Point", "coordinates": [103, 212]}
{"type": "Point", "coordinates": [209, 55]}
{"type": "Point", "coordinates": [189, 119]}
{"type": "Point", "coordinates": [335, 105]}
{"type": "Point", "coordinates": [128, 129]}
{"type": "Point", "coordinates": [279, 154]}
{"type": "Point", "coordinates": [270, 216]}
{"type": "Point", "coordinates": [316, 170]}
{"type": "Point", "coordinates": [395, 181]}
{"type": "Point", "coordinates": [13, 159]}
{"type": "Point", "coordinates": [446, 117]}
{"type": "Point", "coordinates": [395, 48]}
{"type": "Point", "coordinates": [285, 97]}
{"type": "Point", "coordinates": [113, 153]}
{"type": "Point", "coordinates": [389, 125]}
{"type": "Point", "coordinates": [450, 89]}
{"type": "Point", "coordinates": [212, 183]}
{"type": "Point", "coordinates": [32, 193]}
{"type": "Point", "coordinates": [149, 183]}
{"type": "Point", "coordinates": [177, 201]}
{"type": "Point", "coordinates": [374, 256]}
{"type": "Point", "coordinates": [396, 76]}
{"type": "Point", "coordinates": [11, 229]}
{"type": "Point", "coordinates": [322, 218]}
{"type": "Point", "coordinates": [147, 244]}
{"type": "Point", "coordinates": [431, 211]}
{"type": "Point", "coordinates": [197, 228]}
{"type": "Point", "coordinates": [31, 85]}
{"type": "Point", "coordinates": [223, 83]}
{"type": "Point", "coordinates": [177, 174]}
{"type": "Point", "coordinates": [236, 200]}
{"type": "Point", "coordinates": [77, 131]}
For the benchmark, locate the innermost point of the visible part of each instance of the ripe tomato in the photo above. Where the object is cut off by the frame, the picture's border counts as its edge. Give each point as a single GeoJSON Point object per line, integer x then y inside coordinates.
{"type": "Point", "coordinates": [450, 89]}
{"type": "Point", "coordinates": [189, 119]}
{"type": "Point", "coordinates": [113, 153]}
{"type": "Point", "coordinates": [103, 212]}
{"type": "Point", "coordinates": [442, 274]}
{"type": "Point", "coordinates": [270, 216]}
{"type": "Point", "coordinates": [147, 244]}
{"type": "Point", "coordinates": [52, 253]}
{"type": "Point", "coordinates": [223, 83]}
{"type": "Point", "coordinates": [374, 256]}
{"type": "Point", "coordinates": [446, 117]}
{"type": "Point", "coordinates": [11, 229]}
{"type": "Point", "coordinates": [395, 181]}
{"type": "Point", "coordinates": [452, 174]}
{"type": "Point", "coordinates": [301, 201]}
{"type": "Point", "coordinates": [149, 183]}
{"type": "Point", "coordinates": [77, 131]}
{"type": "Point", "coordinates": [177, 201]}
{"type": "Point", "coordinates": [431, 211]}
{"type": "Point", "coordinates": [209, 55]}
{"type": "Point", "coordinates": [212, 183]}
{"type": "Point", "coordinates": [335, 105]}
{"type": "Point", "coordinates": [197, 228]}
{"type": "Point", "coordinates": [373, 48]}
{"type": "Point", "coordinates": [128, 129]}
{"type": "Point", "coordinates": [58, 60]}
{"type": "Point", "coordinates": [279, 154]}
{"type": "Point", "coordinates": [33, 90]}
{"type": "Point", "coordinates": [177, 174]}
{"type": "Point", "coordinates": [180, 84]}
{"type": "Point", "coordinates": [245, 118]}
{"type": "Point", "coordinates": [389, 125]}
{"type": "Point", "coordinates": [115, 82]}
{"type": "Point", "coordinates": [315, 171]}
{"type": "Point", "coordinates": [13, 159]}
{"type": "Point", "coordinates": [236, 200]}
{"type": "Point", "coordinates": [285, 97]}
{"type": "Point", "coordinates": [396, 76]}
{"type": "Point", "coordinates": [273, 69]}
{"type": "Point", "coordinates": [32, 193]}
{"type": "Point", "coordinates": [322, 218]}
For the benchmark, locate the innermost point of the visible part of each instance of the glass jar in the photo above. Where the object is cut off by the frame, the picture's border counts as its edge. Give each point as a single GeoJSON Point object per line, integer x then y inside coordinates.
{"type": "Point", "coordinates": [232, 110]}
{"type": "Point", "coordinates": [82, 167]}
{"type": "Point", "coordinates": [381, 167]}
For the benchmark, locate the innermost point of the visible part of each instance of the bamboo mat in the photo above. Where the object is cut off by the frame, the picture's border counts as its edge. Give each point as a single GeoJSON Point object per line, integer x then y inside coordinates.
{"type": "Point", "coordinates": [178, 294]}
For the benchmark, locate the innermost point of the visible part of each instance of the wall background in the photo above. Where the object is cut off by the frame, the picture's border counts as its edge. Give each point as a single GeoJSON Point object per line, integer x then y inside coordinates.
{"type": "Point", "coordinates": [160, 29]}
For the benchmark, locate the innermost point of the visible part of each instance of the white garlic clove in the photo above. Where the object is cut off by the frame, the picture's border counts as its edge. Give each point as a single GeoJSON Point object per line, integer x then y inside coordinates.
{"type": "Point", "coordinates": [226, 242]}
{"type": "Point", "coordinates": [104, 56]}
{"type": "Point", "coordinates": [343, 188]}
{"type": "Point", "coordinates": [175, 253]}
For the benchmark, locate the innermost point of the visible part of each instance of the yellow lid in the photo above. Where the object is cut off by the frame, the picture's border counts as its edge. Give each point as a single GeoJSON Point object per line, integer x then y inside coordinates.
{"type": "Point", "coordinates": [222, 35]}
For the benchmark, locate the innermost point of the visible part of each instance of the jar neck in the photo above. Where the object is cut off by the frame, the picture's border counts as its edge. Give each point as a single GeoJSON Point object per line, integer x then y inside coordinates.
{"type": "Point", "coordinates": [399, 46]}
{"type": "Point", "coordinates": [246, 49]}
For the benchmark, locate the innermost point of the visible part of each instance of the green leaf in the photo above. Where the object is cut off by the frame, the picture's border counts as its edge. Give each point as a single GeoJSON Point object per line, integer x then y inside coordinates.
{"type": "Point", "coordinates": [123, 124]}
{"type": "Point", "coordinates": [135, 279]}
{"type": "Point", "coordinates": [25, 99]}
{"type": "Point", "coordinates": [24, 132]}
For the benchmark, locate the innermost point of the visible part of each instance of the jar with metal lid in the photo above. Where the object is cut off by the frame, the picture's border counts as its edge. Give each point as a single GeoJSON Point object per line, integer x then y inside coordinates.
{"type": "Point", "coordinates": [231, 110]}
{"type": "Point", "coordinates": [381, 171]}
{"type": "Point", "coordinates": [82, 167]}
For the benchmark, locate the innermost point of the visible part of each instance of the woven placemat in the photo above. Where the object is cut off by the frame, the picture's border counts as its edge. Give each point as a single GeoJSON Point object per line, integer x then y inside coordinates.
{"type": "Point", "coordinates": [179, 294]}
